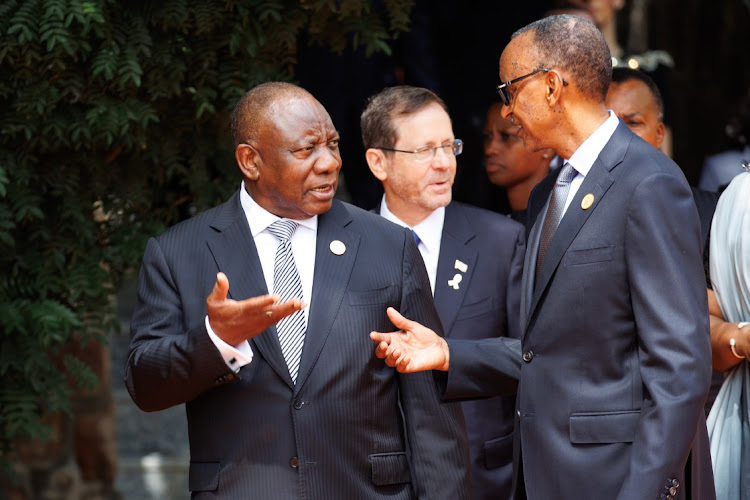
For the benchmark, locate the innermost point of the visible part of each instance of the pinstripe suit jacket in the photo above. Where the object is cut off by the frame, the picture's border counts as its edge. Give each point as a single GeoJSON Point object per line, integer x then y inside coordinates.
{"type": "Point", "coordinates": [351, 427]}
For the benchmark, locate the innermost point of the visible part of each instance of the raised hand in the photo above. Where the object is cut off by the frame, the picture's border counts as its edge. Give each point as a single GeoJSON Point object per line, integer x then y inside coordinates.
{"type": "Point", "coordinates": [414, 348]}
{"type": "Point", "coordinates": [235, 321]}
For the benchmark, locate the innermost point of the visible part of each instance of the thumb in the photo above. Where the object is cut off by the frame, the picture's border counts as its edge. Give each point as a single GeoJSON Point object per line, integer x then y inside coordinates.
{"type": "Point", "coordinates": [398, 320]}
{"type": "Point", "coordinates": [221, 288]}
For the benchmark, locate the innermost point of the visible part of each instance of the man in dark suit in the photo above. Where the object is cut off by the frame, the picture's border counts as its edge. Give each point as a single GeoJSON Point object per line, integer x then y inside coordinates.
{"type": "Point", "coordinates": [474, 257]}
{"type": "Point", "coordinates": [615, 356]}
{"type": "Point", "coordinates": [266, 420]}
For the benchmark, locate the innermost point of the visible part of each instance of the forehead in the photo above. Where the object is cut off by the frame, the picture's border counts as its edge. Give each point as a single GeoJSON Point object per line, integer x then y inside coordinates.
{"type": "Point", "coordinates": [633, 94]}
{"type": "Point", "coordinates": [429, 120]}
{"type": "Point", "coordinates": [514, 58]}
{"type": "Point", "coordinates": [295, 118]}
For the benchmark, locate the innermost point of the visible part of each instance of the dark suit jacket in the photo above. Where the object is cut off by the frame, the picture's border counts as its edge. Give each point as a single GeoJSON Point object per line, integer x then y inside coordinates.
{"type": "Point", "coordinates": [351, 427]}
{"type": "Point", "coordinates": [486, 304]}
{"type": "Point", "coordinates": [615, 340]}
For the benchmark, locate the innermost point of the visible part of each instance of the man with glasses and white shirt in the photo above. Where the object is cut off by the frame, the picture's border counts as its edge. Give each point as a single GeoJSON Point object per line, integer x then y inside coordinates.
{"type": "Point", "coordinates": [614, 318]}
{"type": "Point", "coordinates": [474, 257]}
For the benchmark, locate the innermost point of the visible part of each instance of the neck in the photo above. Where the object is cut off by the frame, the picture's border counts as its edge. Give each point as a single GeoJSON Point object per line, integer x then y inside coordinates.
{"type": "Point", "coordinates": [410, 214]}
{"type": "Point", "coordinates": [579, 126]}
{"type": "Point", "coordinates": [518, 194]}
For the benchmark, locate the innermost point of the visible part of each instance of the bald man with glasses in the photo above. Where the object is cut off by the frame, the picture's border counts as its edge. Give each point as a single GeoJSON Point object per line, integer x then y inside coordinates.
{"type": "Point", "coordinates": [474, 257]}
{"type": "Point", "coordinates": [615, 360]}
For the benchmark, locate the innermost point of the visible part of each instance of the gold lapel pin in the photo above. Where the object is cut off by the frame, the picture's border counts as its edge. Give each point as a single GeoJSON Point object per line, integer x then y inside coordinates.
{"type": "Point", "coordinates": [587, 201]}
{"type": "Point", "coordinates": [461, 266]}
{"type": "Point", "coordinates": [337, 247]}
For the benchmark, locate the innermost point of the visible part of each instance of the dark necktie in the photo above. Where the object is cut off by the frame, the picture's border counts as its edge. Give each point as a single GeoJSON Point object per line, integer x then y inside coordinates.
{"type": "Point", "coordinates": [554, 212]}
{"type": "Point", "coordinates": [287, 284]}
{"type": "Point", "coordinates": [416, 238]}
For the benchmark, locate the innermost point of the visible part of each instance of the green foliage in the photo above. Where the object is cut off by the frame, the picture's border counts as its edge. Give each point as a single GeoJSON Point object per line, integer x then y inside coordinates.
{"type": "Point", "coordinates": [113, 125]}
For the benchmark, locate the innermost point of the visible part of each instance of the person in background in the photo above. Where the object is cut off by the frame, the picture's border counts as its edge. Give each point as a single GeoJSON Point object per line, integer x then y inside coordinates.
{"type": "Point", "coordinates": [729, 306]}
{"type": "Point", "coordinates": [283, 395]}
{"type": "Point", "coordinates": [509, 165]}
{"type": "Point", "coordinates": [474, 257]}
{"type": "Point", "coordinates": [636, 100]}
{"type": "Point", "coordinates": [615, 361]}
{"type": "Point", "coordinates": [658, 64]}
{"type": "Point", "coordinates": [719, 169]}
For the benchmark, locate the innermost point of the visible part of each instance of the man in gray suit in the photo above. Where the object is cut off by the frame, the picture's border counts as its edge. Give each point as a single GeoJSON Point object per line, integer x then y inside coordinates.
{"type": "Point", "coordinates": [285, 400]}
{"type": "Point", "coordinates": [615, 362]}
{"type": "Point", "coordinates": [474, 257]}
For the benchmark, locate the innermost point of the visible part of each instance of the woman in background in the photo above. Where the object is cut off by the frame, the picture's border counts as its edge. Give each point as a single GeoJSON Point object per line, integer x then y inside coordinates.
{"type": "Point", "coordinates": [729, 307]}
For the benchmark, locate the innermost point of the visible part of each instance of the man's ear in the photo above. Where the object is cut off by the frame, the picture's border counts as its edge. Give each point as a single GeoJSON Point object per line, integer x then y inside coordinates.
{"type": "Point", "coordinates": [660, 134]}
{"type": "Point", "coordinates": [376, 160]}
{"type": "Point", "coordinates": [247, 158]}
{"type": "Point", "coordinates": [554, 84]}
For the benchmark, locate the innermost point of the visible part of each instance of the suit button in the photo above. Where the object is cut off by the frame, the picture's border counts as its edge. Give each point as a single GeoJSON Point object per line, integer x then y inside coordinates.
{"type": "Point", "coordinates": [672, 491]}
{"type": "Point", "coordinates": [675, 483]}
{"type": "Point", "coordinates": [298, 404]}
{"type": "Point", "coordinates": [518, 412]}
{"type": "Point", "coordinates": [528, 356]}
{"type": "Point", "coordinates": [294, 462]}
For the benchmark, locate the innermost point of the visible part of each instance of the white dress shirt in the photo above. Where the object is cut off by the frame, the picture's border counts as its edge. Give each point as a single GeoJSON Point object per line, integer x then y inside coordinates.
{"type": "Point", "coordinates": [430, 233]}
{"type": "Point", "coordinates": [584, 157]}
{"type": "Point", "coordinates": [303, 247]}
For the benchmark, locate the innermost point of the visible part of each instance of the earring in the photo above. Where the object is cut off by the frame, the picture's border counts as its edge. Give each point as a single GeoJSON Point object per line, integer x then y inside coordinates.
{"type": "Point", "coordinates": [545, 156]}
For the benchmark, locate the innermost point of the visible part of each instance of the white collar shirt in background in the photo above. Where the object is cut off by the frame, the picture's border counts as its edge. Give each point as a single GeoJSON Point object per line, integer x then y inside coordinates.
{"type": "Point", "coordinates": [430, 233]}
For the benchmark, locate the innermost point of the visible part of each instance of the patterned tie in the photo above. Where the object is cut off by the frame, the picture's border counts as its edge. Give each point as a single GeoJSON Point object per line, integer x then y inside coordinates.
{"type": "Point", "coordinates": [554, 212]}
{"type": "Point", "coordinates": [287, 285]}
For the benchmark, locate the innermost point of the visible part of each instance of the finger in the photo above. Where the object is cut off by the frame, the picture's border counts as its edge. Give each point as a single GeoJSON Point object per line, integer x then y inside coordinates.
{"type": "Point", "coordinates": [221, 288]}
{"type": "Point", "coordinates": [380, 338]}
{"type": "Point", "coordinates": [283, 309]}
{"type": "Point", "coordinates": [399, 321]}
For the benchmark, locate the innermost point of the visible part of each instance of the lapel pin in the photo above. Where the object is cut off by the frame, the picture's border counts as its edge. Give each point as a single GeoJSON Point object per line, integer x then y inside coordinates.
{"type": "Point", "coordinates": [587, 201]}
{"type": "Point", "coordinates": [461, 266]}
{"type": "Point", "coordinates": [337, 247]}
{"type": "Point", "coordinates": [455, 281]}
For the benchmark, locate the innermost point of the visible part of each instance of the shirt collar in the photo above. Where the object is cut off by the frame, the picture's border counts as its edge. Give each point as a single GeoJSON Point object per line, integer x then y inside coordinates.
{"type": "Point", "coordinates": [584, 157]}
{"type": "Point", "coordinates": [429, 230]}
{"type": "Point", "coordinates": [259, 218]}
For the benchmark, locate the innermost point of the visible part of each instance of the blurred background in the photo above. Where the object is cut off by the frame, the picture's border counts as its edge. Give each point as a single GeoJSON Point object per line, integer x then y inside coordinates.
{"type": "Point", "coordinates": [114, 124]}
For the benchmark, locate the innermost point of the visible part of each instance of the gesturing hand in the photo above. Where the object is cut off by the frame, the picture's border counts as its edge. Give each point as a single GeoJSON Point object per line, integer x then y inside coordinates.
{"type": "Point", "coordinates": [235, 321]}
{"type": "Point", "coordinates": [415, 348]}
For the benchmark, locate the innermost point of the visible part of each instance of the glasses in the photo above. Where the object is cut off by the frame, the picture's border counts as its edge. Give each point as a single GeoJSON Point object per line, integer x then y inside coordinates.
{"type": "Point", "coordinates": [426, 153]}
{"type": "Point", "coordinates": [502, 89]}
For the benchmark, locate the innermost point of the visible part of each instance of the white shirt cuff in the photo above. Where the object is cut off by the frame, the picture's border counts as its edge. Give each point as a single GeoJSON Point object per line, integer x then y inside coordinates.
{"type": "Point", "coordinates": [234, 356]}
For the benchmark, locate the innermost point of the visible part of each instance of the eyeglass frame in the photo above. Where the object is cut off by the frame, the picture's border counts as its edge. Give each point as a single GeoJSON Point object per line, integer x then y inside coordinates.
{"type": "Point", "coordinates": [502, 89]}
{"type": "Point", "coordinates": [457, 147]}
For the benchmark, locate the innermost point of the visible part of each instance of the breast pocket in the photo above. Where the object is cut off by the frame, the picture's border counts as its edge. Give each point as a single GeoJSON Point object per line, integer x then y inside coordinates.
{"type": "Point", "coordinates": [583, 256]}
{"type": "Point", "coordinates": [375, 297]}
{"type": "Point", "coordinates": [484, 306]}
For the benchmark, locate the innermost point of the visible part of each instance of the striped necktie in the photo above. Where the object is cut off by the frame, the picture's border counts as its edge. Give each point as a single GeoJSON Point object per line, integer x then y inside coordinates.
{"type": "Point", "coordinates": [287, 284]}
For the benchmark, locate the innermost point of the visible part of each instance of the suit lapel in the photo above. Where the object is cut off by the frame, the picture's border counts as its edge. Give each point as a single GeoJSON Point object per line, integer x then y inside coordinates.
{"type": "Point", "coordinates": [330, 281]}
{"type": "Point", "coordinates": [597, 182]}
{"type": "Point", "coordinates": [454, 246]}
{"type": "Point", "coordinates": [234, 250]}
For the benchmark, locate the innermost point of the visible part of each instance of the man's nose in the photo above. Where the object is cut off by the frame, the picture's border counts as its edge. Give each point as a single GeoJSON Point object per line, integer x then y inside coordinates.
{"type": "Point", "coordinates": [328, 161]}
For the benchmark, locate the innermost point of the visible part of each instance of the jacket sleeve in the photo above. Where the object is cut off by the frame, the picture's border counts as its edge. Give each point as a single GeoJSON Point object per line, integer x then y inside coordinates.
{"type": "Point", "coordinates": [168, 363]}
{"type": "Point", "coordinates": [669, 304]}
